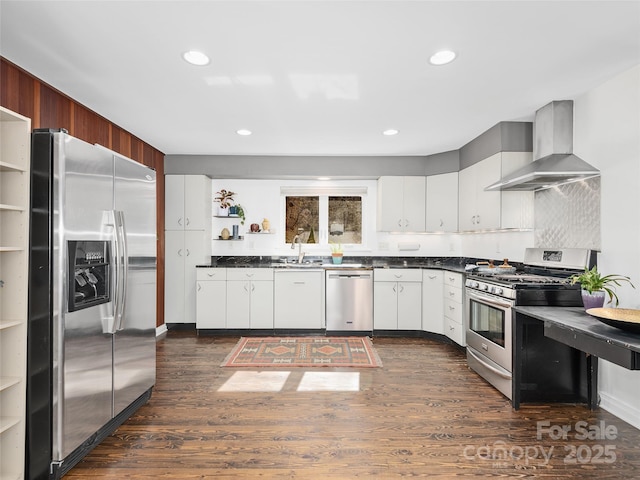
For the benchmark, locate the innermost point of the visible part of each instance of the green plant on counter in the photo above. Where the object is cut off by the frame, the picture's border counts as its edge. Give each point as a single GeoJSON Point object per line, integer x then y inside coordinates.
{"type": "Point", "coordinates": [335, 247]}
{"type": "Point", "coordinates": [593, 281]}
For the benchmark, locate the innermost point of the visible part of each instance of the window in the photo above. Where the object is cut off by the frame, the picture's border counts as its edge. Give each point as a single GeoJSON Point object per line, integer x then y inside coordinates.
{"type": "Point", "coordinates": [328, 217]}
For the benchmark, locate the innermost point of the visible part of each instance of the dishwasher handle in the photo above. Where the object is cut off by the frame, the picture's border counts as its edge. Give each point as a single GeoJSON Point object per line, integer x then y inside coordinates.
{"type": "Point", "coordinates": [349, 275]}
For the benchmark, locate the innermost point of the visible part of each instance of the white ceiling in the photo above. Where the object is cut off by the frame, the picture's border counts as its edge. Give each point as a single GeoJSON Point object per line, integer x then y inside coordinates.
{"type": "Point", "coordinates": [319, 77]}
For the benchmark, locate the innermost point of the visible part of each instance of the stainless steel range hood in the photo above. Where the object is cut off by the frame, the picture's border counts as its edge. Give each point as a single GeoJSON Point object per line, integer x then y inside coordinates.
{"type": "Point", "coordinates": [554, 162]}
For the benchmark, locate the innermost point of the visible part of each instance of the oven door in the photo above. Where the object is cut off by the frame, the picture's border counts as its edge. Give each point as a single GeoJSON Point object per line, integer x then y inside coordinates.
{"type": "Point", "coordinates": [489, 326]}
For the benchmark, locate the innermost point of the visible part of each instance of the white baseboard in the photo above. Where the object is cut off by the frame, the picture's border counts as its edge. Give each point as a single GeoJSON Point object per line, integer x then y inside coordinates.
{"type": "Point", "coordinates": [622, 410]}
{"type": "Point", "coordinates": [161, 329]}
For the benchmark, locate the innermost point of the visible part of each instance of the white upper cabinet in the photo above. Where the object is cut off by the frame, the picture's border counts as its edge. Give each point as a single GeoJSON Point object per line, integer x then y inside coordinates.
{"type": "Point", "coordinates": [442, 202]}
{"type": "Point", "coordinates": [188, 202]}
{"type": "Point", "coordinates": [401, 204]}
{"type": "Point", "coordinates": [482, 210]}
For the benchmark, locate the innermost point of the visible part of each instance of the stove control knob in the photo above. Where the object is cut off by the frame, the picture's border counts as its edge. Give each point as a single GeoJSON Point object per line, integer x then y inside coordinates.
{"type": "Point", "coordinates": [475, 284]}
{"type": "Point", "coordinates": [485, 287]}
{"type": "Point", "coordinates": [499, 291]}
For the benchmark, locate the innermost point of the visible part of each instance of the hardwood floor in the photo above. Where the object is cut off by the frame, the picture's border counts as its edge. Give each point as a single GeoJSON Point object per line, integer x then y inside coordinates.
{"type": "Point", "coordinates": [423, 414]}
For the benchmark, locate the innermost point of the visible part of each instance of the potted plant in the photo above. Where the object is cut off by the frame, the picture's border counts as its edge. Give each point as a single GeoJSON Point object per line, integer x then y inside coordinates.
{"type": "Point", "coordinates": [225, 199]}
{"type": "Point", "coordinates": [595, 286]}
{"type": "Point", "coordinates": [240, 213]}
{"type": "Point", "coordinates": [336, 253]}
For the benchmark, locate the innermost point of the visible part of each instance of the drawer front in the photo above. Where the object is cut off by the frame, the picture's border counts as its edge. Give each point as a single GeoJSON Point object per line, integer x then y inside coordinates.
{"type": "Point", "coordinates": [204, 274]}
{"type": "Point", "coordinates": [453, 279]}
{"type": "Point", "coordinates": [397, 275]}
{"type": "Point", "coordinates": [455, 331]}
{"type": "Point", "coordinates": [453, 311]}
{"type": "Point", "coordinates": [250, 274]}
{"type": "Point", "coordinates": [453, 293]}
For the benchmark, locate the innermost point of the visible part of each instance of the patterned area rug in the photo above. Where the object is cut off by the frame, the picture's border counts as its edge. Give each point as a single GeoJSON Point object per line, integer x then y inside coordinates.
{"type": "Point", "coordinates": [303, 352]}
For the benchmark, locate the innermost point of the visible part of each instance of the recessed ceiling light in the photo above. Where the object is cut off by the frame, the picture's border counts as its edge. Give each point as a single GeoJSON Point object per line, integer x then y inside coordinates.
{"type": "Point", "coordinates": [324, 178]}
{"type": "Point", "coordinates": [442, 58]}
{"type": "Point", "coordinates": [244, 132]}
{"type": "Point", "coordinates": [195, 58]}
{"type": "Point", "coordinates": [390, 132]}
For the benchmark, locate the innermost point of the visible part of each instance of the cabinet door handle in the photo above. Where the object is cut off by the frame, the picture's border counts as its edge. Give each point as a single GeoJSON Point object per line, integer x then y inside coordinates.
{"type": "Point", "coordinates": [199, 287]}
{"type": "Point", "coordinates": [188, 221]}
{"type": "Point", "coordinates": [406, 223]}
{"type": "Point", "coordinates": [401, 289]}
{"type": "Point", "coordinates": [249, 275]}
{"type": "Point", "coordinates": [245, 288]}
{"type": "Point", "coordinates": [441, 222]}
{"type": "Point", "coordinates": [210, 274]}
{"type": "Point", "coordinates": [299, 283]}
{"type": "Point", "coordinates": [180, 221]}
{"type": "Point", "coordinates": [188, 252]}
{"type": "Point", "coordinates": [253, 287]}
{"type": "Point", "coordinates": [451, 294]}
{"type": "Point", "coordinates": [478, 222]}
{"type": "Point", "coordinates": [180, 252]}
{"type": "Point", "coordinates": [451, 308]}
{"type": "Point", "coordinates": [395, 289]}
{"type": "Point", "coordinates": [451, 328]}
{"type": "Point", "coordinates": [400, 222]}
{"type": "Point", "coordinates": [432, 277]}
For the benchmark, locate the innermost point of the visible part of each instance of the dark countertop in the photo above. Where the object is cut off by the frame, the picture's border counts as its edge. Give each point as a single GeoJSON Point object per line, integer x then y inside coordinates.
{"type": "Point", "coordinates": [453, 264]}
{"type": "Point", "coordinates": [573, 323]}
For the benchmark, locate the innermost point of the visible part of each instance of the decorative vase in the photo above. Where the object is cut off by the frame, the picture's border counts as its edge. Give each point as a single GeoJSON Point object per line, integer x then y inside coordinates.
{"type": "Point", "coordinates": [233, 210]}
{"type": "Point", "coordinates": [225, 234]}
{"type": "Point", "coordinates": [266, 225]}
{"type": "Point", "coordinates": [337, 258]}
{"type": "Point", "coordinates": [223, 212]}
{"type": "Point", "coordinates": [593, 300]}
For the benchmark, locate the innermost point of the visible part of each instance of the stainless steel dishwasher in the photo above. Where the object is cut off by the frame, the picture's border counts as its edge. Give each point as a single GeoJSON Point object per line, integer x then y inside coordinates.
{"type": "Point", "coordinates": [349, 300]}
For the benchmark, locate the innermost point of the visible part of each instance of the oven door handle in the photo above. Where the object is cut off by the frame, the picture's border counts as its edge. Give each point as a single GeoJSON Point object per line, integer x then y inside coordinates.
{"type": "Point", "coordinates": [486, 365]}
{"type": "Point", "coordinates": [488, 300]}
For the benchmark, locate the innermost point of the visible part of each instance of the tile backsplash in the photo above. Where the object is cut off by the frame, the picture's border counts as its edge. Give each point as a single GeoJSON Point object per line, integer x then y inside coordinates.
{"type": "Point", "coordinates": [568, 216]}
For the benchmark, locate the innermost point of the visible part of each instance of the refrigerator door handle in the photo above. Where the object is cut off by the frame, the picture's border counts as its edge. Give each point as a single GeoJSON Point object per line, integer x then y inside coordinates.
{"type": "Point", "coordinates": [109, 322]}
{"type": "Point", "coordinates": [123, 263]}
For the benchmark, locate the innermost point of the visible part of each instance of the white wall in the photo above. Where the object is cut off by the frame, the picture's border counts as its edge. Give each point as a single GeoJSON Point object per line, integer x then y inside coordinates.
{"type": "Point", "coordinates": [261, 198]}
{"type": "Point", "coordinates": [607, 135]}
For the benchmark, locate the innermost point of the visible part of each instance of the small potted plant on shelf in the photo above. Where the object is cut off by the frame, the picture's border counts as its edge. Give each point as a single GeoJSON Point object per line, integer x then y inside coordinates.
{"type": "Point", "coordinates": [225, 199]}
{"type": "Point", "coordinates": [336, 253]}
{"type": "Point", "coordinates": [595, 286]}
{"type": "Point", "coordinates": [240, 213]}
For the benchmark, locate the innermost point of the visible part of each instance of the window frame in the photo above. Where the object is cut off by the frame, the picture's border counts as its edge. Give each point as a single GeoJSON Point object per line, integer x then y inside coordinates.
{"type": "Point", "coordinates": [323, 193]}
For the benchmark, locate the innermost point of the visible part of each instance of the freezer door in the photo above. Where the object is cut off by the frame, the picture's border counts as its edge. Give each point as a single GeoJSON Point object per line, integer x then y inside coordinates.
{"type": "Point", "coordinates": [134, 342]}
{"type": "Point", "coordinates": [82, 351]}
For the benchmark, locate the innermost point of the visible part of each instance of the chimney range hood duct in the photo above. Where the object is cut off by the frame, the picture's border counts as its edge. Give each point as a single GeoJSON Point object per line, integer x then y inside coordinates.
{"type": "Point", "coordinates": [554, 162]}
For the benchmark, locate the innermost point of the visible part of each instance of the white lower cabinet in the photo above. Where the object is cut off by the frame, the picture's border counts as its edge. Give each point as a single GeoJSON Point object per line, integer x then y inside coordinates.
{"type": "Point", "coordinates": [250, 298]}
{"type": "Point", "coordinates": [433, 301]}
{"type": "Point", "coordinates": [211, 297]}
{"type": "Point", "coordinates": [299, 299]}
{"type": "Point", "coordinates": [453, 298]}
{"type": "Point", "coordinates": [397, 299]}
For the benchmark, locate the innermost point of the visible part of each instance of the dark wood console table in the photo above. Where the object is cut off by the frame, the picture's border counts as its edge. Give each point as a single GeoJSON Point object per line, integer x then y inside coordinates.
{"type": "Point", "coordinates": [556, 351]}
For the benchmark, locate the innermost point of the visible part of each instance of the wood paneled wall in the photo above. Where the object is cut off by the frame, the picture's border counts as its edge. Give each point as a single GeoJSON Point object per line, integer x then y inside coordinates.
{"type": "Point", "coordinates": [48, 108]}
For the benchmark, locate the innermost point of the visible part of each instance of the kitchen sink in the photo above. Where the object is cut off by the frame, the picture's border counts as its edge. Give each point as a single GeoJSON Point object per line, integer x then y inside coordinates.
{"type": "Point", "coordinates": [314, 264]}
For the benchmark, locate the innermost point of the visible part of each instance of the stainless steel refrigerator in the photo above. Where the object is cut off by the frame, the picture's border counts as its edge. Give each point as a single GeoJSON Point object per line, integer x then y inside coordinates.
{"type": "Point", "coordinates": [92, 298]}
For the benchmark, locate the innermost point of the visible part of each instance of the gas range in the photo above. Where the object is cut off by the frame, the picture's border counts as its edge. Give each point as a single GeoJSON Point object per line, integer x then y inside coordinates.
{"type": "Point", "coordinates": [544, 280]}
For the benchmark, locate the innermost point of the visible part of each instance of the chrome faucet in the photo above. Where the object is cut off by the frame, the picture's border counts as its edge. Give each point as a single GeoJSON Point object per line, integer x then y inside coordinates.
{"type": "Point", "coordinates": [298, 239]}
